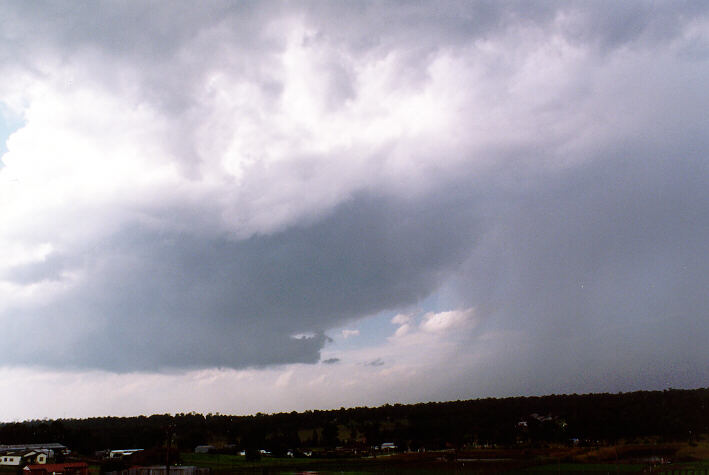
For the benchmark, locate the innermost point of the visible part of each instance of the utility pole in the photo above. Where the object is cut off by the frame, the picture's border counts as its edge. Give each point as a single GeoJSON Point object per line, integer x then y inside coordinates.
{"type": "Point", "coordinates": [170, 432]}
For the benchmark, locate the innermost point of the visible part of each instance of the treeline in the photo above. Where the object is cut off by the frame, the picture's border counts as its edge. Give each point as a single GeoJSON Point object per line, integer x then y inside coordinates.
{"type": "Point", "coordinates": [670, 415]}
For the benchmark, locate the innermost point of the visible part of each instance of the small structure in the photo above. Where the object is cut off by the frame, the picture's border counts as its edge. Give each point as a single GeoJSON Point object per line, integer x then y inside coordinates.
{"type": "Point", "coordinates": [17, 458]}
{"type": "Point", "coordinates": [73, 468]}
{"type": "Point", "coordinates": [50, 448]}
{"type": "Point", "coordinates": [204, 449]}
{"type": "Point", "coordinates": [11, 458]}
{"type": "Point", "coordinates": [120, 453]}
{"type": "Point", "coordinates": [388, 447]}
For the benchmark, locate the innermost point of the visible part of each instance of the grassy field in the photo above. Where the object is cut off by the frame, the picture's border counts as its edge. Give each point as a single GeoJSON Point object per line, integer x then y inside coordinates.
{"type": "Point", "coordinates": [218, 463]}
{"type": "Point", "coordinates": [586, 467]}
{"type": "Point", "coordinates": [403, 464]}
{"type": "Point", "coordinates": [609, 460]}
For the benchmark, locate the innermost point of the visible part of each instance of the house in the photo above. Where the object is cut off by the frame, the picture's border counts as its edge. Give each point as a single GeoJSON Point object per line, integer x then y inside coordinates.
{"type": "Point", "coordinates": [387, 447]}
{"type": "Point", "coordinates": [11, 458]}
{"type": "Point", "coordinates": [73, 468]}
{"type": "Point", "coordinates": [120, 453]}
{"type": "Point", "coordinates": [49, 448]}
{"type": "Point", "coordinates": [37, 457]}
{"type": "Point", "coordinates": [204, 449]}
{"type": "Point", "coordinates": [18, 458]}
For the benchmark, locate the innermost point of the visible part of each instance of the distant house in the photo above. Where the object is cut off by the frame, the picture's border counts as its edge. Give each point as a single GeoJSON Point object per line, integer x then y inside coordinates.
{"type": "Point", "coordinates": [73, 468]}
{"type": "Point", "coordinates": [18, 458]}
{"type": "Point", "coordinates": [49, 448]}
{"type": "Point", "coordinates": [120, 453]}
{"type": "Point", "coordinates": [11, 459]}
{"type": "Point", "coordinates": [204, 449]}
{"type": "Point", "coordinates": [387, 447]}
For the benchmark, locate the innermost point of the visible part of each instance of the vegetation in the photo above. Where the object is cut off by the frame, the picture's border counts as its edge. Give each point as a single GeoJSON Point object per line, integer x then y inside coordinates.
{"type": "Point", "coordinates": [582, 420]}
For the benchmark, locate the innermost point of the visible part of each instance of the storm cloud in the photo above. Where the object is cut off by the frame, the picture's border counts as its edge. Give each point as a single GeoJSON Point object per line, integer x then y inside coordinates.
{"type": "Point", "coordinates": [167, 299]}
{"type": "Point", "coordinates": [223, 186]}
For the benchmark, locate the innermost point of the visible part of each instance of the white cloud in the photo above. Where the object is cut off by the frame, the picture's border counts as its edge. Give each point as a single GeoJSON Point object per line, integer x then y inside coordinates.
{"type": "Point", "coordinates": [259, 172]}
{"type": "Point", "coordinates": [413, 364]}
{"type": "Point", "coordinates": [347, 333]}
{"type": "Point", "coordinates": [401, 318]}
{"type": "Point", "coordinates": [446, 321]}
{"type": "Point", "coordinates": [402, 330]}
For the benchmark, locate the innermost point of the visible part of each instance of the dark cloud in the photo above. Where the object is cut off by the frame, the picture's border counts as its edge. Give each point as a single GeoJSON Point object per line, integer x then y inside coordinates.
{"type": "Point", "coordinates": [375, 362]}
{"type": "Point", "coordinates": [586, 242]}
{"type": "Point", "coordinates": [331, 361]}
{"type": "Point", "coordinates": [163, 299]}
{"type": "Point", "coordinates": [598, 276]}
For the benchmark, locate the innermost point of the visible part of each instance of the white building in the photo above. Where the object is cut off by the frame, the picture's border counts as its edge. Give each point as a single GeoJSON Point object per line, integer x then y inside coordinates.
{"type": "Point", "coordinates": [118, 453]}
{"type": "Point", "coordinates": [17, 458]}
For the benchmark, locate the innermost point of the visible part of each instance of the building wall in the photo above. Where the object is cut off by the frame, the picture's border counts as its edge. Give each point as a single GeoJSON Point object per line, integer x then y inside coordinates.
{"type": "Point", "coordinates": [10, 460]}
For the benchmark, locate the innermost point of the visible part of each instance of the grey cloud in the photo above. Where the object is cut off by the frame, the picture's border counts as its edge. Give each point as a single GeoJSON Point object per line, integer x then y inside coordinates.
{"type": "Point", "coordinates": [160, 299]}
{"type": "Point", "coordinates": [159, 31]}
{"type": "Point", "coordinates": [599, 277]}
{"type": "Point", "coordinates": [611, 25]}
{"type": "Point", "coordinates": [171, 44]}
{"type": "Point", "coordinates": [598, 268]}
{"type": "Point", "coordinates": [49, 269]}
{"type": "Point", "coordinates": [375, 362]}
{"type": "Point", "coordinates": [331, 361]}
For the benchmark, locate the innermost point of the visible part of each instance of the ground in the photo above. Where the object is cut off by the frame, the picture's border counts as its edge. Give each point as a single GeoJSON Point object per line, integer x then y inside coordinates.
{"type": "Point", "coordinates": [626, 458]}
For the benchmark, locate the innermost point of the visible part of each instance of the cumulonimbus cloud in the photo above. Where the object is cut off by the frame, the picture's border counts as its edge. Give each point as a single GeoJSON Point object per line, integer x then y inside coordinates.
{"type": "Point", "coordinates": [198, 196]}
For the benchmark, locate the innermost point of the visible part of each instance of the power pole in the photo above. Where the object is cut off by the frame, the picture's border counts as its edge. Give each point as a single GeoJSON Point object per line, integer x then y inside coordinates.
{"type": "Point", "coordinates": [170, 432]}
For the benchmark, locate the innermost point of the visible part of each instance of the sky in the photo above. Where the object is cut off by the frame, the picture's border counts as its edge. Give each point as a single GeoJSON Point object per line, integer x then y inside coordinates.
{"type": "Point", "coordinates": [244, 207]}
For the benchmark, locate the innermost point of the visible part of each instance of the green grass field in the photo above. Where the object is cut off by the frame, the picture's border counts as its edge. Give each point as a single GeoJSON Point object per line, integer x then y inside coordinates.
{"type": "Point", "coordinates": [346, 466]}
{"type": "Point", "coordinates": [408, 465]}
{"type": "Point", "coordinates": [238, 462]}
{"type": "Point", "coordinates": [587, 467]}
